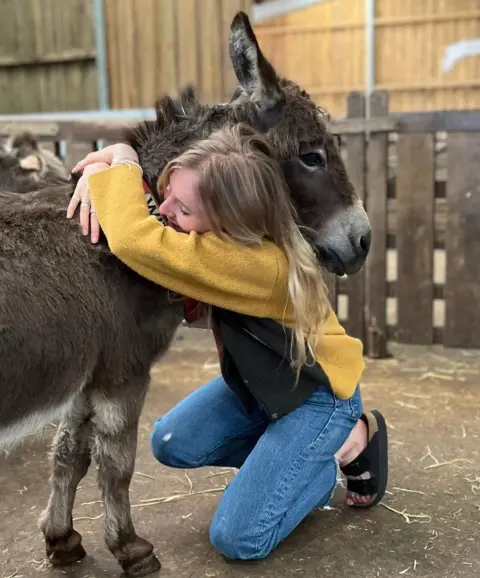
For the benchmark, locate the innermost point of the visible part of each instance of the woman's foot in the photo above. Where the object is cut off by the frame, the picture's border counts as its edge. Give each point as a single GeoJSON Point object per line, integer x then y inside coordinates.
{"type": "Point", "coordinates": [363, 459]}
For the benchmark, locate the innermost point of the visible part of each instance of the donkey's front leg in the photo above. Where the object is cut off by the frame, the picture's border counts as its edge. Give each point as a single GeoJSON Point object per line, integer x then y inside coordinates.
{"type": "Point", "coordinates": [71, 459]}
{"type": "Point", "coordinates": [115, 430]}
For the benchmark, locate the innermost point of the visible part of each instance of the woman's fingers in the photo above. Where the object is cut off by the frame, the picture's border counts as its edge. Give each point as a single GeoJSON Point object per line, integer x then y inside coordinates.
{"type": "Point", "coordinates": [73, 204]}
{"type": "Point", "coordinates": [85, 216]}
{"type": "Point", "coordinates": [88, 218]}
{"type": "Point", "coordinates": [106, 155]}
{"type": "Point", "coordinates": [94, 227]}
{"type": "Point", "coordinates": [102, 156]}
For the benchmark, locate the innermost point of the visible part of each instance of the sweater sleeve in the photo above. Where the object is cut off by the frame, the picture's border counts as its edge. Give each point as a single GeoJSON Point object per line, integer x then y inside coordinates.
{"type": "Point", "coordinates": [248, 280]}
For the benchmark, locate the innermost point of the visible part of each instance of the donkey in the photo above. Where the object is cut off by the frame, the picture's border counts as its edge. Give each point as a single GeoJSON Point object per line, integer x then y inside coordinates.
{"type": "Point", "coordinates": [79, 331]}
{"type": "Point", "coordinates": [25, 165]}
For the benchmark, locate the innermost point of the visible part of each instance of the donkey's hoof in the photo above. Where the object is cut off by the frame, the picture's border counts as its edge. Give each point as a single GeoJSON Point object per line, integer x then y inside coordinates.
{"type": "Point", "coordinates": [65, 551]}
{"type": "Point", "coordinates": [144, 567]}
{"type": "Point", "coordinates": [64, 558]}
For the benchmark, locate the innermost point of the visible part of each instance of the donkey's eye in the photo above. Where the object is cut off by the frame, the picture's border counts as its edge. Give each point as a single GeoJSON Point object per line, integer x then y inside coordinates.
{"type": "Point", "coordinates": [314, 160]}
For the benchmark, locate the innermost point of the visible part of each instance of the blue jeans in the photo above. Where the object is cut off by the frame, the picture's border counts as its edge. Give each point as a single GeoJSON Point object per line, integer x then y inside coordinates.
{"type": "Point", "coordinates": [287, 467]}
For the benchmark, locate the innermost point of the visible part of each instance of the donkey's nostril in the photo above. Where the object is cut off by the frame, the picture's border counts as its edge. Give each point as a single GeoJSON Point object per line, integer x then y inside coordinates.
{"type": "Point", "coordinates": [365, 241]}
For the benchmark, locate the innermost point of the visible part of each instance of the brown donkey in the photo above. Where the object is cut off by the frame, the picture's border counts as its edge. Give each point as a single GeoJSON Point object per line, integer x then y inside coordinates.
{"type": "Point", "coordinates": [79, 331]}
{"type": "Point", "coordinates": [25, 165]}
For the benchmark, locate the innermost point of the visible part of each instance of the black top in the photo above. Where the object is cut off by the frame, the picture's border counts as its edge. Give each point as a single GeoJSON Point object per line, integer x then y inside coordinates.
{"type": "Point", "coordinates": [255, 364]}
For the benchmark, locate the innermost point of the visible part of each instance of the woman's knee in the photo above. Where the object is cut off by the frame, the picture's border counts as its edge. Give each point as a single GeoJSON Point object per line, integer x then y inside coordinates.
{"type": "Point", "coordinates": [168, 446]}
{"type": "Point", "coordinates": [236, 542]}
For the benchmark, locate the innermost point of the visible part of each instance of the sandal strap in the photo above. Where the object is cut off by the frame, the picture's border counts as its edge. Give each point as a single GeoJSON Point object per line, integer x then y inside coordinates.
{"type": "Point", "coordinates": [362, 462]}
{"type": "Point", "coordinates": [359, 466]}
{"type": "Point", "coordinates": [363, 487]}
{"type": "Point", "coordinates": [366, 462]}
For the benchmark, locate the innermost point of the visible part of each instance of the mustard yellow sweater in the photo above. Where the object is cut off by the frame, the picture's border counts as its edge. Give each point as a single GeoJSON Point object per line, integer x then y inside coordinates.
{"type": "Point", "coordinates": [247, 280]}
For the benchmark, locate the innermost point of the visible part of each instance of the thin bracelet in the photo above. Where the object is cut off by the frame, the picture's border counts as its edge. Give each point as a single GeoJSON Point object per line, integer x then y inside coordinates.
{"type": "Point", "coordinates": [126, 161]}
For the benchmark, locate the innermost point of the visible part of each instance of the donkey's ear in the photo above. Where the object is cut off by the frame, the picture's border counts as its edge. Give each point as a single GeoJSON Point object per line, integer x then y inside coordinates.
{"type": "Point", "coordinates": [189, 103]}
{"type": "Point", "coordinates": [25, 139]}
{"type": "Point", "coordinates": [255, 74]}
{"type": "Point", "coordinates": [166, 112]}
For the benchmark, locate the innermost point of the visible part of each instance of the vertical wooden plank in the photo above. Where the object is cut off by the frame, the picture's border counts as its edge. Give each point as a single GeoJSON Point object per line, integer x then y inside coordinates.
{"type": "Point", "coordinates": [147, 61]}
{"type": "Point", "coordinates": [127, 51]}
{"type": "Point", "coordinates": [188, 43]}
{"type": "Point", "coordinates": [356, 150]}
{"type": "Point", "coordinates": [168, 38]}
{"type": "Point", "coordinates": [210, 49]}
{"type": "Point", "coordinates": [414, 238]}
{"type": "Point", "coordinates": [376, 266]}
{"type": "Point", "coordinates": [112, 34]}
{"type": "Point", "coordinates": [48, 145]}
{"type": "Point", "coordinates": [462, 242]}
{"type": "Point", "coordinates": [76, 151]}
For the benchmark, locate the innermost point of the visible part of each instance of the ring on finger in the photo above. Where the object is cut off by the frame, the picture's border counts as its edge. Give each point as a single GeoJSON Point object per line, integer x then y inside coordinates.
{"type": "Point", "coordinates": [85, 204]}
{"type": "Point", "coordinates": [92, 210]}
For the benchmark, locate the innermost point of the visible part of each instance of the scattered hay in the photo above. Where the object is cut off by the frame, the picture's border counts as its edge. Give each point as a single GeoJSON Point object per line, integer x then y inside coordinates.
{"type": "Point", "coordinates": [87, 486]}
{"type": "Point", "coordinates": [174, 497]}
{"type": "Point", "coordinates": [415, 564]}
{"type": "Point", "coordinates": [223, 472]}
{"type": "Point", "coordinates": [449, 463]}
{"type": "Point", "coordinates": [145, 475]}
{"type": "Point", "coordinates": [210, 364]}
{"type": "Point", "coordinates": [474, 482]}
{"type": "Point", "coordinates": [15, 573]}
{"type": "Point", "coordinates": [91, 503]}
{"type": "Point", "coordinates": [189, 481]}
{"type": "Point", "coordinates": [407, 405]}
{"type": "Point", "coordinates": [409, 518]}
{"type": "Point", "coordinates": [415, 395]}
{"type": "Point", "coordinates": [411, 491]}
{"type": "Point", "coordinates": [41, 565]}
{"type": "Point", "coordinates": [439, 464]}
{"type": "Point", "coordinates": [434, 376]}
{"type": "Point", "coordinates": [87, 518]}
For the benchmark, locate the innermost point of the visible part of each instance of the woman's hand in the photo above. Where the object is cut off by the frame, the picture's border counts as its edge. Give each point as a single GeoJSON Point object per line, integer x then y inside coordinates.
{"type": "Point", "coordinates": [107, 155]}
{"type": "Point", "coordinates": [88, 218]}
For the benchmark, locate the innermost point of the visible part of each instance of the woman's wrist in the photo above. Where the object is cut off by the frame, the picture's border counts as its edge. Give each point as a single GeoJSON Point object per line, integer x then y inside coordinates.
{"type": "Point", "coordinates": [126, 161]}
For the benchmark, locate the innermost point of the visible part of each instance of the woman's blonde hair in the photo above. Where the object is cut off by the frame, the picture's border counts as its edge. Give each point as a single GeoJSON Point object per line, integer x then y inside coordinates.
{"type": "Point", "coordinates": [243, 193]}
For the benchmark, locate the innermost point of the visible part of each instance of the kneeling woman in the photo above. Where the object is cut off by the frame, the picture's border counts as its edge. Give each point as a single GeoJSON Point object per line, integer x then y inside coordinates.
{"type": "Point", "coordinates": [286, 409]}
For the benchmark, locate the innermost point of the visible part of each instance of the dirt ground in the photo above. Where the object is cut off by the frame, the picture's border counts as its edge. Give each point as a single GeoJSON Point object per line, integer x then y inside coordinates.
{"type": "Point", "coordinates": [428, 525]}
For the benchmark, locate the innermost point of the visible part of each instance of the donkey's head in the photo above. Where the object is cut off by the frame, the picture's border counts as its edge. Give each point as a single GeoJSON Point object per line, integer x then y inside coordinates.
{"type": "Point", "coordinates": [314, 170]}
{"type": "Point", "coordinates": [25, 165]}
{"type": "Point", "coordinates": [327, 206]}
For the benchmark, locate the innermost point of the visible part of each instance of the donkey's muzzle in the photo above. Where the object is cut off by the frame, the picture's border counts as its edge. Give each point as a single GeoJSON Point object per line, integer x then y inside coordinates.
{"type": "Point", "coordinates": [344, 242]}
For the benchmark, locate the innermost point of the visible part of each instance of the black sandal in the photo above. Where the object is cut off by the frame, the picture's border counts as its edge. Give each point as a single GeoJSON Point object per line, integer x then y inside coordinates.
{"type": "Point", "coordinates": [373, 460]}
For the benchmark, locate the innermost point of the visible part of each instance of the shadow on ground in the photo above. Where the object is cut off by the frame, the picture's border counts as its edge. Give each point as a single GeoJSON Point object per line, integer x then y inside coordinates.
{"type": "Point", "coordinates": [428, 525]}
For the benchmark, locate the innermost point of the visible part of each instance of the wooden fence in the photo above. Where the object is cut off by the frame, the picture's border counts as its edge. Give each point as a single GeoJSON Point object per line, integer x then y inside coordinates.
{"type": "Point", "coordinates": [47, 56]}
{"type": "Point", "coordinates": [48, 52]}
{"type": "Point", "coordinates": [159, 46]}
{"type": "Point", "coordinates": [323, 48]}
{"type": "Point", "coordinates": [421, 283]}
{"type": "Point", "coordinates": [419, 177]}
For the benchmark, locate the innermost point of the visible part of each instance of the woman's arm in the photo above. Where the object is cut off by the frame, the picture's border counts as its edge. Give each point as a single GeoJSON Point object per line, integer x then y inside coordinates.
{"type": "Point", "coordinates": [249, 280]}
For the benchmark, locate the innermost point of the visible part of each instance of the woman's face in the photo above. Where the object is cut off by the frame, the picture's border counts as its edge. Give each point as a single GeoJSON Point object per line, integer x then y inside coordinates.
{"type": "Point", "coordinates": [181, 206]}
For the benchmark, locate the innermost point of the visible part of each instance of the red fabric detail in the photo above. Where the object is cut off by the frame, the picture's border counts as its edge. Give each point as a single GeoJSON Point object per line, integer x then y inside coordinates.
{"type": "Point", "coordinates": [195, 310]}
{"type": "Point", "coordinates": [146, 188]}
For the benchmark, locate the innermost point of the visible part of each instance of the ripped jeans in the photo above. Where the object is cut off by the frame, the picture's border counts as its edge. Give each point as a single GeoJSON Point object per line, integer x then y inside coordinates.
{"type": "Point", "coordinates": [287, 467]}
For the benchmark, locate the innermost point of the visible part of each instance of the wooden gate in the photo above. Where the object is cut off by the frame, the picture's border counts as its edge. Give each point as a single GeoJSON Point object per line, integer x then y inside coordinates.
{"type": "Point", "coordinates": [419, 176]}
{"type": "Point", "coordinates": [420, 180]}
